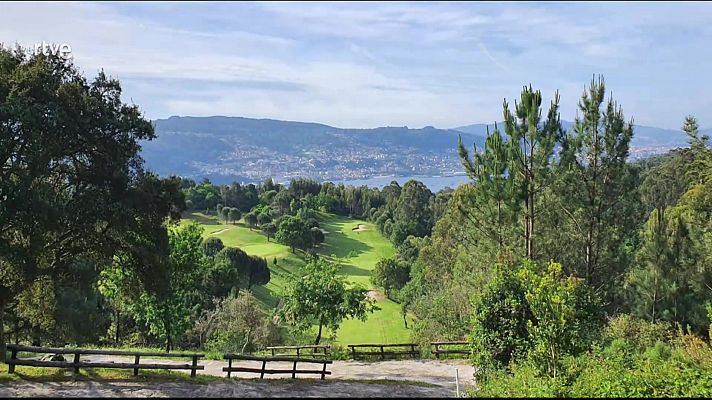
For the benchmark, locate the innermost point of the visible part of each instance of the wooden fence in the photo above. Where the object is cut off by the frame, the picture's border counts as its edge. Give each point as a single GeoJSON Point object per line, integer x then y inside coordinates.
{"type": "Point", "coordinates": [263, 370]}
{"type": "Point", "coordinates": [437, 348]}
{"type": "Point", "coordinates": [313, 350]}
{"type": "Point", "coordinates": [76, 363]}
{"type": "Point", "coordinates": [383, 353]}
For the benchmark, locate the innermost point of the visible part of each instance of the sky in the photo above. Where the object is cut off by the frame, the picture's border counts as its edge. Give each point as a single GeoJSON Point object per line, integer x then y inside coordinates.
{"type": "Point", "coordinates": [359, 65]}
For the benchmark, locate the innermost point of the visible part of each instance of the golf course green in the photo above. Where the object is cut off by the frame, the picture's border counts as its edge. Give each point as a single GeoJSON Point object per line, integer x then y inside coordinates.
{"type": "Point", "coordinates": [356, 244]}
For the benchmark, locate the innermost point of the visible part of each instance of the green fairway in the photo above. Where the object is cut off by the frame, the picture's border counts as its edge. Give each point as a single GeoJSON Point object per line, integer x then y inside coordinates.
{"type": "Point", "coordinates": [358, 250]}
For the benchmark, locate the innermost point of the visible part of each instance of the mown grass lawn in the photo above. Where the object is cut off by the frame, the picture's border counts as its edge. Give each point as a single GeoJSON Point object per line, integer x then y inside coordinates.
{"type": "Point", "coordinates": [358, 252]}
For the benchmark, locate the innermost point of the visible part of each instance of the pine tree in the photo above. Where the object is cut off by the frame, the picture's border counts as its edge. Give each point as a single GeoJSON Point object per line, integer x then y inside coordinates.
{"type": "Point", "coordinates": [596, 187]}
{"type": "Point", "coordinates": [531, 143]}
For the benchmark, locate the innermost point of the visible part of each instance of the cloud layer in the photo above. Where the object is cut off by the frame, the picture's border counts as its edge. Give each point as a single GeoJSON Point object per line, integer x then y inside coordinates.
{"type": "Point", "coordinates": [368, 64]}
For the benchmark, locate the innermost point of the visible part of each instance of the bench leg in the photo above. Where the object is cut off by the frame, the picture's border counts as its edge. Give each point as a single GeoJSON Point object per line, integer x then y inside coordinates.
{"type": "Point", "coordinates": [229, 367]}
{"type": "Point", "coordinates": [136, 360]}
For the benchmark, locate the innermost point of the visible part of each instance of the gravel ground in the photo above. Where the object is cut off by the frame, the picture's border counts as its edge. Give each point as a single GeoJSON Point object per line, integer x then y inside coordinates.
{"type": "Point", "coordinates": [348, 379]}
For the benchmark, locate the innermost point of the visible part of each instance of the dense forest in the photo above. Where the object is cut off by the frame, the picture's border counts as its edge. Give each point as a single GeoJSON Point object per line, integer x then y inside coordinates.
{"type": "Point", "coordinates": [569, 269]}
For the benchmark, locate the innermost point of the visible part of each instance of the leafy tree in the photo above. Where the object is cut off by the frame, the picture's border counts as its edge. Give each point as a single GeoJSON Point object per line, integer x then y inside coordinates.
{"type": "Point", "coordinates": [321, 297]}
{"type": "Point", "coordinates": [269, 229]}
{"type": "Point", "coordinates": [414, 210]}
{"type": "Point", "coordinates": [251, 219]}
{"type": "Point", "coordinates": [239, 265]}
{"type": "Point", "coordinates": [225, 213]}
{"type": "Point", "coordinates": [258, 272]}
{"type": "Point", "coordinates": [317, 236]}
{"type": "Point", "coordinates": [236, 321]}
{"type": "Point", "coordinates": [212, 246]}
{"type": "Point", "coordinates": [294, 232]}
{"type": "Point", "coordinates": [234, 215]}
{"type": "Point", "coordinates": [390, 275]}
{"type": "Point", "coordinates": [72, 182]}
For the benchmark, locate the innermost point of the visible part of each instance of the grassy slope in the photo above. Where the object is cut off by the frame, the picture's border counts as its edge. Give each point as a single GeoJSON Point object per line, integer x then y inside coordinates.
{"type": "Point", "coordinates": [358, 251]}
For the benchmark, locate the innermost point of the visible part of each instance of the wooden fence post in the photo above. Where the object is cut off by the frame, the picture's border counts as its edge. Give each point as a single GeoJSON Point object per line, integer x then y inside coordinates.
{"type": "Point", "coordinates": [383, 355]}
{"type": "Point", "coordinates": [294, 370]}
{"type": "Point", "coordinates": [262, 375]}
{"type": "Point", "coordinates": [10, 366]}
{"type": "Point", "coordinates": [136, 361]}
{"type": "Point", "coordinates": [76, 361]}
{"type": "Point", "coordinates": [193, 371]}
{"type": "Point", "coordinates": [323, 371]}
{"type": "Point", "coordinates": [229, 366]}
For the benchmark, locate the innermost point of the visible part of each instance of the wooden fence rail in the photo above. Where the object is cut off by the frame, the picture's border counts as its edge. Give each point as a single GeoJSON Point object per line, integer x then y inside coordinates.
{"type": "Point", "coordinates": [413, 351]}
{"type": "Point", "coordinates": [316, 350]}
{"type": "Point", "coordinates": [447, 350]}
{"type": "Point", "coordinates": [76, 363]}
{"type": "Point", "coordinates": [263, 370]}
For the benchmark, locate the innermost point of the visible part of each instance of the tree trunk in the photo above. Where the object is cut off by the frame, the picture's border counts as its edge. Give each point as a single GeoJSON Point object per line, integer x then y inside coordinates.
{"type": "Point", "coordinates": [318, 336]}
{"type": "Point", "coordinates": [169, 343]}
{"type": "Point", "coordinates": [116, 338]}
{"type": "Point", "coordinates": [3, 350]}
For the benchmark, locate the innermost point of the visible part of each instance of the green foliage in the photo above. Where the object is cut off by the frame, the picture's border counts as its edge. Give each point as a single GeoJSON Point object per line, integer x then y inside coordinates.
{"type": "Point", "coordinates": [533, 312]}
{"type": "Point", "coordinates": [501, 315]}
{"type": "Point", "coordinates": [566, 316]}
{"type": "Point", "coordinates": [212, 246]}
{"type": "Point", "coordinates": [320, 297]}
{"type": "Point", "coordinates": [294, 232]}
{"type": "Point", "coordinates": [235, 325]}
{"type": "Point", "coordinates": [390, 275]}
{"type": "Point", "coordinates": [635, 359]}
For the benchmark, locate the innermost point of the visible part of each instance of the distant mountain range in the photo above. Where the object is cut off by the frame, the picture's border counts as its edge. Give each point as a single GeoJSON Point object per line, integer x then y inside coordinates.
{"type": "Point", "coordinates": [644, 137]}
{"type": "Point", "coordinates": [227, 149]}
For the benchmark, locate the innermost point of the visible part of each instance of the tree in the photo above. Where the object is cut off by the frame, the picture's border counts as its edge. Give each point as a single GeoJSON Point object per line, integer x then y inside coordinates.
{"type": "Point", "coordinates": [236, 321]}
{"type": "Point", "coordinates": [531, 144]}
{"type": "Point", "coordinates": [212, 246]}
{"type": "Point", "coordinates": [225, 213]}
{"type": "Point", "coordinates": [269, 229]}
{"type": "Point", "coordinates": [258, 272]}
{"type": "Point", "coordinates": [71, 178]}
{"type": "Point", "coordinates": [238, 263]}
{"type": "Point", "coordinates": [168, 311]}
{"type": "Point", "coordinates": [294, 232]}
{"type": "Point", "coordinates": [234, 215]}
{"type": "Point", "coordinates": [251, 219]}
{"type": "Point", "coordinates": [317, 236]}
{"type": "Point", "coordinates": [390, 274]}
{"type": "Point", "coordinates": [320, 297]}
{"type": "Point", "coordinates": [413, 209]}
{"type": "Point", "coordinates": [597, 189]}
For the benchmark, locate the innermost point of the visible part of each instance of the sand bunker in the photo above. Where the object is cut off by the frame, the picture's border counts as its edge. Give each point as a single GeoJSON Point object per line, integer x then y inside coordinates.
{"type": "Point", "coordinates": [359, 228]}
{"type": "Point", "coordinates": [221, 231]}
{"type": "Point", "coordinates": [375, 295]}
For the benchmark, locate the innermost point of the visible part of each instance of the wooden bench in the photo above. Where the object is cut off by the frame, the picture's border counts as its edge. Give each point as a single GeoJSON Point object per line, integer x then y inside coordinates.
{"type": "Point", "coordinates": [263, 370]}
{"type": "Point", "coordinates": [413, 351]}
{"type": "Point", "coordinates": [447, 350]}
{"type": "Point", "coordinates": [76, 363]}
{"type": "Point", "coordinates": [316, 350]}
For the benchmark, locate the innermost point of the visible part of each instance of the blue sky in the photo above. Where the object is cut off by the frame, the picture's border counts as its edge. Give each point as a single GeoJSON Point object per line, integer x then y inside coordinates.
{"type": "Point", "coordinates": [375, 64]}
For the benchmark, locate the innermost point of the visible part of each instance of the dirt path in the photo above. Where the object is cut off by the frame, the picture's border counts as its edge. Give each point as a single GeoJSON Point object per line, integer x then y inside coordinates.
{"type": "Point", "coordinates": [235, 388]}
{"type": "Point", "coordinates": [348, 379]}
